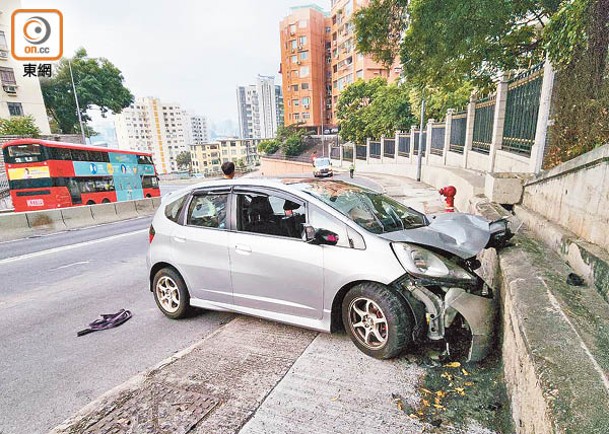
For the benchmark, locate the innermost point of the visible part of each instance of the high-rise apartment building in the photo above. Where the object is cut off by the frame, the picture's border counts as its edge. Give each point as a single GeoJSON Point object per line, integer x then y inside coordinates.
{"type": "Point", "coordinates": [19, 95]}
{"type": "Point", "coordinates": [258, 106]}
{"type": "Point", "coordinates": [199, 130]}
{"type": "Point", "coordinates": [319, 59]}
{"type": "Point", "coordinates": [162, 129]}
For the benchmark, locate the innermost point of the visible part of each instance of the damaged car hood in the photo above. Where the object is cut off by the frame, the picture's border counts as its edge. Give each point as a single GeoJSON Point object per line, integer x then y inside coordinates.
{"type": "Point", "coordinates": [464, 235]}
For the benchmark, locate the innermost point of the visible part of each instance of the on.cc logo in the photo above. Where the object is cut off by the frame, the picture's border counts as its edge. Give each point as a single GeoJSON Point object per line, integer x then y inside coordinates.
{"type": "Point", "coordinates": [36, 30]}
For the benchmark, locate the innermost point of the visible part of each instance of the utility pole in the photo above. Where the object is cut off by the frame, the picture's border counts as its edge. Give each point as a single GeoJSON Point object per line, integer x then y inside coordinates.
{"type": "Point", "coordinates": [82, 130]}
{"type": "Point", "coordinates": [420, 153]}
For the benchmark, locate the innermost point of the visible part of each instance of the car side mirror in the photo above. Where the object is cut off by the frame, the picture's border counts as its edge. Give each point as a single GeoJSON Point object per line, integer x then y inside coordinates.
{"type": "Point", "coordinates": [319, 236]}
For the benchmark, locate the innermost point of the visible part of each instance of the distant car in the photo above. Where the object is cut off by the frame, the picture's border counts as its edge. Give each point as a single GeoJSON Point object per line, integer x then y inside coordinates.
{"type": "Point", "coordinates": [322, 167]}
{"type": "Point", "coordinates": [325, 255]}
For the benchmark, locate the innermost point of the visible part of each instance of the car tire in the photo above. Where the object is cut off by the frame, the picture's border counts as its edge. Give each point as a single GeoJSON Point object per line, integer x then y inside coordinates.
{"type": "Point", "coordinates": [377, 320]}
{"type": "Point", "coordinates": [171, 294]}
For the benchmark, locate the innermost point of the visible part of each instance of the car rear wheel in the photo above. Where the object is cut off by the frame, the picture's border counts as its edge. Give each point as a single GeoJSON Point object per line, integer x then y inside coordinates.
{"type": "Point", "coordinates": [378, 322]}
{"type": "Point", "coordinates": [171, 294]}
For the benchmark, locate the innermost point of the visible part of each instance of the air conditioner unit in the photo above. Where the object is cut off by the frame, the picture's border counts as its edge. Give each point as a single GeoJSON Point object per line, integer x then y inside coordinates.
{"type": "Point", "coordinates": [306, 106]}
{"type": "Point", "coordinates": [300, 47]}
{"type": "Point", "coordinates": [298, 62]}
{"type": "Point", "coordinates": [10, 88]}
{"type": "Point", "coordinates": [3, 54]}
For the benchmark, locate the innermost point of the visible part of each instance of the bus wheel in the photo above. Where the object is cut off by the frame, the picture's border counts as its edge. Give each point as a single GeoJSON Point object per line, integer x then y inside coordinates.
{"type": "Point", "coordinates": [106, 201]}
{"type": "Point", "coordinates": [148, 196]}
{"type": "Point", "coordinates": [90, 202]}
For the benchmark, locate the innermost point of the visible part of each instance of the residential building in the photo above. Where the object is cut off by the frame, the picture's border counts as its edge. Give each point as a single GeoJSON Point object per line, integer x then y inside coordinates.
{"type": "Point", "coordinates": [199, 129]}
{"type": "Point", "coordinates": [208, 157]}
{"type": "Point", "coordinates": [319, 59]}
{"type": "Point", "coordinates": [258, 107]}
{"type": "Point", "coordinates": [160, 128]}
{"type": "Point", "coordinates": [279, 105]}
{"type": "Point", "coordinates": [19, 95]}
{"type": "Point", "coordinates": [303, 35]}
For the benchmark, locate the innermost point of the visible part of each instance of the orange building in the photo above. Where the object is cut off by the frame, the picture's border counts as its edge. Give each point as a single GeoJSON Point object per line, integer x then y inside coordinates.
{"type": "Point", "coordinates": [302, 35]}
{"type": "Point", "coordinates": [318, 60]}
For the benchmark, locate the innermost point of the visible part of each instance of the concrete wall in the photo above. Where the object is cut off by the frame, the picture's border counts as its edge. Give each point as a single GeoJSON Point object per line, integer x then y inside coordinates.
{"type": "Point", "coordinates": [24, 224]}
{"type": "Point", "coordinates": [271, 167]}
{"type": "Point", "coordinates": [576, 196]}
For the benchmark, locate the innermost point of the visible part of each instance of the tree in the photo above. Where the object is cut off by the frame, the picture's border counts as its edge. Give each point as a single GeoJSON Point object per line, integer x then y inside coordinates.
{"type": "Point", "coordinates": [450, 42]}
{"type": "Point", "coordinates": [19, 126]}
{"type": "Point", "coordinates": [373, 108]}
{"type": "Point", "coordinates": [183, 160]}
{"type": "Point", "coordinates": [268, 146]}
{"type": "Point", "coordinates": [98, 83]}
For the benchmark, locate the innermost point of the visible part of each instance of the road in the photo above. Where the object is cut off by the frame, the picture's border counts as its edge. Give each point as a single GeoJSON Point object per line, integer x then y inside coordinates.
{"type": "Point", "coordinates": [53, 286]}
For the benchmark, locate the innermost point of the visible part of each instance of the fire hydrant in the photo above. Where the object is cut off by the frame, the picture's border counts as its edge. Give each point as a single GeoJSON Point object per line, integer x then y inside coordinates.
{"type": "Point", "coordinates": [449, 192]}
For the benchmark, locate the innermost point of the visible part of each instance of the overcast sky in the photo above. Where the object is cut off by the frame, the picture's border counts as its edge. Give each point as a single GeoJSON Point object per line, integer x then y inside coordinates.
{"type": "Point", "coordinates": [191, 52]}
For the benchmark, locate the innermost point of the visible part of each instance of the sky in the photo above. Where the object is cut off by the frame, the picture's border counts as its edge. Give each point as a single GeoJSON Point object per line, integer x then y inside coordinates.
{"type": "Point", "coordinates": [190, 52]}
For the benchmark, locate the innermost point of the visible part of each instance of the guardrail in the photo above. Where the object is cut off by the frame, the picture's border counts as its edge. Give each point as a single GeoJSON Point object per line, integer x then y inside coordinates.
{"type": "Point", "coordinates": [24, 224]}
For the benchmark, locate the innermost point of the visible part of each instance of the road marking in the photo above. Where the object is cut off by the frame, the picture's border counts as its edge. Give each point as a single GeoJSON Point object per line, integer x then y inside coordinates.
{"type": "Point", "coordinates": [69, 247]}
{"type": "Point", "coordinates": [71, 265]}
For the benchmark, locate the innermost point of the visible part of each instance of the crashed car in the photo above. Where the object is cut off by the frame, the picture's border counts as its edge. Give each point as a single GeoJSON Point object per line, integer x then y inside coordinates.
{"type": "Point", "coordinates": [326, 255]}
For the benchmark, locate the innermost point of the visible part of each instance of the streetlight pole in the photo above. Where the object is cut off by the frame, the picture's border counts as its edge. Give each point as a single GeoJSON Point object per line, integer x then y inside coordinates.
{"type": "Point", "coordinates": [82, 130]}
{"type": "Point", "coordinates": [420, 153]}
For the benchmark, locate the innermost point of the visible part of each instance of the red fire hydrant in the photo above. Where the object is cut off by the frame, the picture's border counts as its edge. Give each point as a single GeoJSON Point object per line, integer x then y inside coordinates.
{"type": "Point", "coordinates": [449, 192]}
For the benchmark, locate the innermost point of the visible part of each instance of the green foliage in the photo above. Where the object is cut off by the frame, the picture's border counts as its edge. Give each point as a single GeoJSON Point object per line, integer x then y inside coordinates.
{"type": "Point", "coordinates": [566, 33]}
{"type": "Point", "coordinates": [183, 160]}
{"type": "Point", "coordinates": [293, 145]}
{"type": "Point", "coordinates": [268, 146]}
{"type": "Point", "coordinates": [373, 108]}
{"type": "Point", "coordinates": [19, 126]}
{"type": "Point", "coordinates": [98, 83]}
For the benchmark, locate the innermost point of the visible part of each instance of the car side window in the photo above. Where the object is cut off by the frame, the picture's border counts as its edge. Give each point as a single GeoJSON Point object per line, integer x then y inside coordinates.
{"type": "Point", "coordinates": [208, 211]}
{"type": "Point", "coordinates": [270, 215]}
{"type": "Point", "coordinates": [322, 220]}
{"type": "Point", "coordinates": [172, 210]}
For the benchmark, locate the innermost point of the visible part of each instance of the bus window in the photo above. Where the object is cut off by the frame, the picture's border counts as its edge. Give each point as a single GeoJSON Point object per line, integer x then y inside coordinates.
{"type": "Point", "coordinates": [150, 182]}
{"type": "Point", "coordinates": [59, 154]}
{"type": "Point", "coordinates": [79, 155]}
{"type": "Point", "coordinates": [24, 153]}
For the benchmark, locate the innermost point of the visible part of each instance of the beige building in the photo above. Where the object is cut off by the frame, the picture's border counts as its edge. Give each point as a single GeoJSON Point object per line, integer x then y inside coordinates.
{"type": "Point", "coordinates": [208, 157]}
{"type": "Point", "coordinates": [19, 95]}
{"type": "Point", "coordinates": [150, 125]}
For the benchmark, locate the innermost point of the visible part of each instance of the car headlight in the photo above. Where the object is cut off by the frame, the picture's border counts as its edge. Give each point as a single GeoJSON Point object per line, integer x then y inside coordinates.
{"type": "Point", "coordinates": [421, 262]}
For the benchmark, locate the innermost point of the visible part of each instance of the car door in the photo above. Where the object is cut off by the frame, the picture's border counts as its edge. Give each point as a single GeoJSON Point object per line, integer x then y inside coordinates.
{"type": "Point", "coordinates": [201, 246]}
{"type": "Point", "coordinates": [272, 268]}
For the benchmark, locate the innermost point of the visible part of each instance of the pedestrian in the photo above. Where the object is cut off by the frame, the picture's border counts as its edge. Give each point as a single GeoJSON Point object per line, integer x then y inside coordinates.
{"type": "Point", "coordinates": [313, 157]}
{"type": "Point", "coordinates": [351, 170]}
{"type": "Point", "coordinates": [228, 169]}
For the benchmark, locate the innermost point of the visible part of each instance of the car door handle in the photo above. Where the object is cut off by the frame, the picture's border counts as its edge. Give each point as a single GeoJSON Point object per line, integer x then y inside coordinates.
{"type": "Point", "coordinates": [179, 239]}
{"type": "Point", "coordinates": [242, 249]}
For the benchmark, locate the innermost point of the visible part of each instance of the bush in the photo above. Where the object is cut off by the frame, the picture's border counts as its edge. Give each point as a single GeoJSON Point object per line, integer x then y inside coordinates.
{"type": "Point", "coordinates": [293, 145]}
{"type": "Point", "coordinates": [268, 146]}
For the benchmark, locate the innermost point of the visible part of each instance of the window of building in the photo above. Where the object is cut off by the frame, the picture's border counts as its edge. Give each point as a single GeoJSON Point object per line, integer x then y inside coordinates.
{"type": "Point", "coordinates": [328, 29]}
{"type": "Point", "coordinates": [295, 102]}
{"type": "Point", "coordinates": [7, 76]}
{"type": "Point", "coordinates": [304, 71]}
{"type": "Point", "coordinates": [304, 86]}
{"type": "Point", "coordinates": [3, 43]}
{"type": "Point", "coordinates": [304, 55]}
{"type": "Point", "coordinates": [302, 40]}
{"type": "Point", "coordinates": [296, 116]}
{"type": "Point", "coordinates": [306, 115]}
{"type": "Point", "coordinates": [293, 44]}
{"type": "Point", "coordinates": [294, 58]}
{"type": "Point", "coordinates": [303, 24]}
{"type": "Point", "coordinates": [360, 73]}
{"type": "Point", "coordinates": [306, 101]}
{"type": "Point", "coordinates": [295, 88]}
{"type": "Point", "coordinates": [292, 29]}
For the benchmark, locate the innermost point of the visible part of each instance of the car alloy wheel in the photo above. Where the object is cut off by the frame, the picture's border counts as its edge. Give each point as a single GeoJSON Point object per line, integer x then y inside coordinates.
{"type": "Point", "coordinates": [168, 294]}
{"type": "Point", "coordinates": [368, 323]}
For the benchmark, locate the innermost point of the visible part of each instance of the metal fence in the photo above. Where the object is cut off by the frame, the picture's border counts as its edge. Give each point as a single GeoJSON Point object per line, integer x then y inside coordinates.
{"type": "Point", "coordinates": [522, 109]}
{"type": "Point", "coordinates": [404, 146]}
{"type": "Point", "coordinates": [360, 152]}
{"type": "Point", "coordinates": [415, 142]}
{"type": "Point", "coordinates": [458, 127]}
{"type": "Point", "coordinates": [375, 149]}
{"type": "Point", "coordinates": [348, 153]}
{"type": "Point", "coordinates": [438, 132]}
{"type": "Point", "coordinates": [335, 152]}
{"type": "Point", "coordinates": [483, 125]}
{"type": "Point", "coordinates": [389, 148]}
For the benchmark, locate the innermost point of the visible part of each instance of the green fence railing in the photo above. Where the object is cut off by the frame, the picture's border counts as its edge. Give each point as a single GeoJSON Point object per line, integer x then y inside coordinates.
{"type": "Point", "coordinates": [521, 112]}
{"type": "Point", "coordinates": [389, 148]}
{"type": "Point", "coordinates": [404, 146]}
{"type": "Point", "coordinates": [483, 125]}
{"type": "Point", "coordinates": [458, 127]}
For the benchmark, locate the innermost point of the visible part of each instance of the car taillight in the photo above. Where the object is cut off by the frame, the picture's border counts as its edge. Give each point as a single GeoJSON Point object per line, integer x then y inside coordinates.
{"type": "Point", "coordinates": [151, 234]}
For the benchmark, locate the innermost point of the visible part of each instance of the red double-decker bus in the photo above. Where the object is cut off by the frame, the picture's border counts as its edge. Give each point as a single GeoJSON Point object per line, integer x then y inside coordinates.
{"type": "Point", "coordinates": [49, 175]}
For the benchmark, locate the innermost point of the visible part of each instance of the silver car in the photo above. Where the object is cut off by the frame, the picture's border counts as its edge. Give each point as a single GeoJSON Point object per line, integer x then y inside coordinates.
{"type": "Point", "coordinates": [326, 255]}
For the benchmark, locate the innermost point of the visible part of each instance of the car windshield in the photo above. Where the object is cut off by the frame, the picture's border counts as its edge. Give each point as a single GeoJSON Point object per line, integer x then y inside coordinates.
{"type": "Point", "coordinates": [322, 162]}
{"type": "Point", "coordinates": [372, 211]}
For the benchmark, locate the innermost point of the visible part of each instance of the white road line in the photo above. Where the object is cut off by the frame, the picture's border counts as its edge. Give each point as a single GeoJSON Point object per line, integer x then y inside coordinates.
{"type": "Point", "coordinates": [71, 265]}
{"type": "Point", "coordinates": [69, 247]}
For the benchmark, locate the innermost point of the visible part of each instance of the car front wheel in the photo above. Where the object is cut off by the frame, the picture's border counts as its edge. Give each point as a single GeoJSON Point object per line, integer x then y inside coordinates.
{"type": "Point", "coordinates": [171, 294]}
{"type": "Point", "coordinates": [377, 320]}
